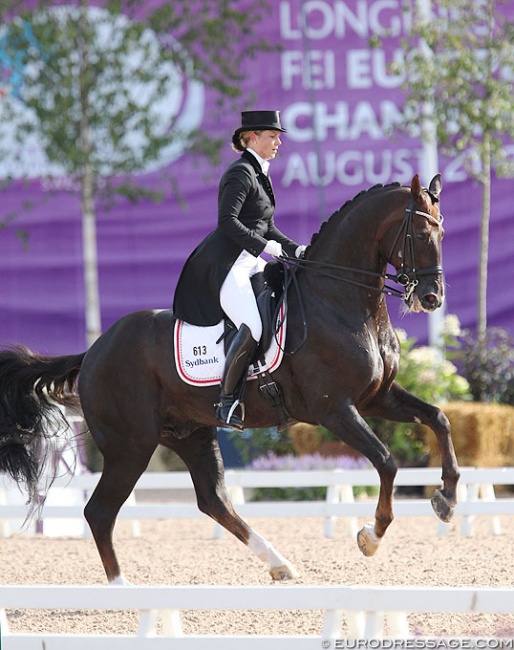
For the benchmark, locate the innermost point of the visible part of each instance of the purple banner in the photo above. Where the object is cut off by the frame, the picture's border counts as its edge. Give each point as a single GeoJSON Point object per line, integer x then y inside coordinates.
{"type": "Point", "coordinates": [337, 100]}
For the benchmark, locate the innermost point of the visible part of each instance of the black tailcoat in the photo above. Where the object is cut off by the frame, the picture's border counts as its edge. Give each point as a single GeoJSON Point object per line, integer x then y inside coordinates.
{"type": "Point", "coordinates": [246, 204]}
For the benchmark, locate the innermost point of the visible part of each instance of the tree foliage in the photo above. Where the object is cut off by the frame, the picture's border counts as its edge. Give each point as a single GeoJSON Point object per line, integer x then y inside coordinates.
{"type": "Point", "coordinates": [458, 73]}
{"type": "Point", "coordinates": [95, 85]}
{"type": "Point", "coordinates": [80, 70]}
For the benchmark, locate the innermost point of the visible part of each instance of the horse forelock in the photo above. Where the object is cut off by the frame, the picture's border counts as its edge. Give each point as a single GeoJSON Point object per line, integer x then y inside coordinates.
{"type": "Point", "coordinates": [346, 208]}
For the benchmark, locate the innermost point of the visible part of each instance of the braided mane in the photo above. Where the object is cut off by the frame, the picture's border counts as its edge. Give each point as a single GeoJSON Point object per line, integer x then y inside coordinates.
{"type": "Point", "coordinates": [343, 210]}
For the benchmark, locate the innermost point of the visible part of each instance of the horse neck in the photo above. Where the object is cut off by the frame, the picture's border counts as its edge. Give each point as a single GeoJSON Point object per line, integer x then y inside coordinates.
{"type": "Point", "coordinates": [352, 238]}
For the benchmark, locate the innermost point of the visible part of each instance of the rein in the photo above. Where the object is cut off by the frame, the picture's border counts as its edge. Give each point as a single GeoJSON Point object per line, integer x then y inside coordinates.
{"type": "Point", "coordinates": [407, 277]}
{"type": "Point", "coordinates": [321, 266]}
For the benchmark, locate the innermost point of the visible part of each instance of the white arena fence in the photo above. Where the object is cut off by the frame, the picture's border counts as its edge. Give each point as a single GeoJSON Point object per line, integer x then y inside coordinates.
{"type": "Point", "coordinates": [68, 495]}
{"type": "Point", "coordinates": [364, 608]}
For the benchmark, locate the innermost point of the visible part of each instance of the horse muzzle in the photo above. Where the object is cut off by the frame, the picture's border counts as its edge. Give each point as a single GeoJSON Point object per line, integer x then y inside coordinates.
{"type": "Point", "coordinates": [424, 288]}
{"type": "Point", "coordinates": [428, 296]}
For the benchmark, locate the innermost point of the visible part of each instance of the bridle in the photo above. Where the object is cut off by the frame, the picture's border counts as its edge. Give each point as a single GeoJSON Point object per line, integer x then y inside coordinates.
{"type": "Point", "coordinates": [406, 277]}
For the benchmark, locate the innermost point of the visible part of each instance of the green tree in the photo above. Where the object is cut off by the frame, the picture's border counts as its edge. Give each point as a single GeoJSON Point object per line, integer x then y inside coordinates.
{"type": "Point", "coordinates": [94, 83]}
{"type": "Point", "coordinates": [458, 73]}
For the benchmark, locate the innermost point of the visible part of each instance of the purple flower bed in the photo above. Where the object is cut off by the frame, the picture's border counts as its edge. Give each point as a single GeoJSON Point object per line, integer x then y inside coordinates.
{"type": "Point", "coordinates": [306, 462]}
{"type": "Point", "coordinates": [302, 463]}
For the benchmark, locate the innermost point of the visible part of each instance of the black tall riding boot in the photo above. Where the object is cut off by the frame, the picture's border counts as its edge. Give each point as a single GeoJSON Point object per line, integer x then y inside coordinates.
{"type": "Point", "coordinates": [236, 365]}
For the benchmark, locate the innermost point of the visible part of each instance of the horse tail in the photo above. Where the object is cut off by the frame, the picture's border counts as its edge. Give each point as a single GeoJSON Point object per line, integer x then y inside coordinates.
{"type": "Point", "coordinates": [32, 390]}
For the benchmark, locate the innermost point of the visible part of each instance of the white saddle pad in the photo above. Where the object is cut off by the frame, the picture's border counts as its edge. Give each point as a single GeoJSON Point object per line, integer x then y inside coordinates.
{"type": "Point", "coordinates": [200, 360]}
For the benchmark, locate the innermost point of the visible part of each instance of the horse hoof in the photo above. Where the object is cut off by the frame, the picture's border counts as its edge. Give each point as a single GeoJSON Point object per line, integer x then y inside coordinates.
{"type": "Point", "coordinates": [367, 541]}
{"type": "Point", "coordinates": [442, 507]}
{"type": "Point", "coordinates": [284, 572]}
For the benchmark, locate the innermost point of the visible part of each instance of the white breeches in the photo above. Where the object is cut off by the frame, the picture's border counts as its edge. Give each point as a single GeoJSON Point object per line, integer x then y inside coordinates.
{"type": "Point", "coordinates": [236, 296]}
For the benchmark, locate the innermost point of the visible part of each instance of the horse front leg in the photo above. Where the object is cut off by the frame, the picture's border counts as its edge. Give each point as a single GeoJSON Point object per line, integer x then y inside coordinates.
{"type": "Point", "coordinates": [398, 405]}
{"type": "Point", "coordinates": [351, 428]}
{"type": "Point", "coordinates": [201, 453]}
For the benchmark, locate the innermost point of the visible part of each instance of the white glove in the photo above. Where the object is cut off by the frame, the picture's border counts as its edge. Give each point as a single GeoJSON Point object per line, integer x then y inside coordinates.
{"type": "Point", "coordinates": [273, 248]}
{"type": "Point", "coordinates": [300, 251]}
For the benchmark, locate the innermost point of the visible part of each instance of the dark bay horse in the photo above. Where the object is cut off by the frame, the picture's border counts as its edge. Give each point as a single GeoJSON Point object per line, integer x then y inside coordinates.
{"type": "Point", "coordinates": [345, 361]}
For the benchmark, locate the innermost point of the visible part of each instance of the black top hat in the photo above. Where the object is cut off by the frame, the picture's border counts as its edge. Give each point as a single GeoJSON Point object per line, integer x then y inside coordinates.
{"type": "Point", "coordinates": [259, 121]}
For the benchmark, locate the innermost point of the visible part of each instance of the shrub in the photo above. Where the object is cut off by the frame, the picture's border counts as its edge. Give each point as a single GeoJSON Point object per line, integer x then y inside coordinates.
{"type": "Point", "coordinates": [252, 443]}
{"type": "Point", "coordinates": [425, 372]}
{"type": "Point", "coordinates": [488, 365]}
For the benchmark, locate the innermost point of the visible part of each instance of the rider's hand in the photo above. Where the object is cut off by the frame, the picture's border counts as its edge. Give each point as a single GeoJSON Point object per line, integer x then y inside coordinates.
{"type": "Point", "coordinates": [273, 248]}
{"type": "Point", "coordinates": [300, 251]}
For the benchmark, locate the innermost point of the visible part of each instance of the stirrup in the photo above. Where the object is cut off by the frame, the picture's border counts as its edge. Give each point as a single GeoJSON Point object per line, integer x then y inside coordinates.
{"type": "Point", "coordinates": [229, 418]}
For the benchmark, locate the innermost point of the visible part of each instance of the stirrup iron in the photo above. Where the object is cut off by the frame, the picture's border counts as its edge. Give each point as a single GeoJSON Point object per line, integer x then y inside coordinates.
{"type": "Point", "coordinates": [233, 408]}
{"type": "Point", "coordinates": [225, 420]}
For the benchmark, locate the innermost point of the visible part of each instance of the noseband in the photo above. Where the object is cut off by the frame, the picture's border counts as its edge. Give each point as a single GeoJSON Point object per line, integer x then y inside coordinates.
{"type": "Point", "coordinates": [407, 276]}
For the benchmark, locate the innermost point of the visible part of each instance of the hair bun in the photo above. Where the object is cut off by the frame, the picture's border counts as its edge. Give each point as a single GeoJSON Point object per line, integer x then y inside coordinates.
{"type": "Point", "coordinates": [236, 142]}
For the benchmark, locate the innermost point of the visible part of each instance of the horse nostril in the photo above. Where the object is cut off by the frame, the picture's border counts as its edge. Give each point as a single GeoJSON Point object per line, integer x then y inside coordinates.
{"type": "Point", "coordinates": [430, 301]}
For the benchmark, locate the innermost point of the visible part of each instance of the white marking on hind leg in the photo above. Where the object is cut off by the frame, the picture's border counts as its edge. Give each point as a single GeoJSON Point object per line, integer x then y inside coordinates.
{"type": "Point", "coordinates": [280, 568]}
{"type": "Point", "coordinates": [120, 581]}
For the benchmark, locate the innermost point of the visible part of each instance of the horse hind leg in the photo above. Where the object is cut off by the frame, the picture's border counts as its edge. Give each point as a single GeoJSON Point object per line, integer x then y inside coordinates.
{"type": "Point", "coordinates": [201, 453]}
{"type": "Point", "coordinates": [120, 474]}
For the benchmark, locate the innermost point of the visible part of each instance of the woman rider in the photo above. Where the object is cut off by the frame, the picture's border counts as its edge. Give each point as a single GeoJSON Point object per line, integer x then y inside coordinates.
{"type": "Point", "coordinates": [216, 277]}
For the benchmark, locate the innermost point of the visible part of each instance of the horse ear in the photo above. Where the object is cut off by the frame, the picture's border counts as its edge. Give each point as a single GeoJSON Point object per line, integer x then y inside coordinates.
{"type": "Point", "coordinates": [436, 185]}
{"type": "Point", "coordinates": [415, 187]}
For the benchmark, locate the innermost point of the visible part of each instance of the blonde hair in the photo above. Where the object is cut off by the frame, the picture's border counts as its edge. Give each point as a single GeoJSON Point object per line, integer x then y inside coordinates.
{"type": "Point", "coordinates": [240, 140]}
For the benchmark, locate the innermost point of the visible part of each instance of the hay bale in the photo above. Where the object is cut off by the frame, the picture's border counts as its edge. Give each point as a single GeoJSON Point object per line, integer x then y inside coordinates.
{"type": "Point", "coordinates": [306, 438]}
{"type": "Point", "coordinates": [309, 439]}
{"type": "Point", "coordinates": [166, 460]}
{"type": "Point", "coordinates": [483, 434]}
